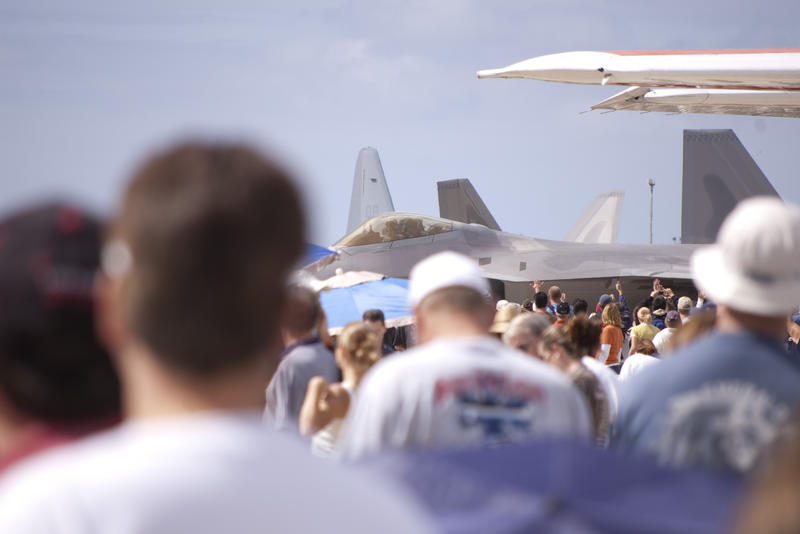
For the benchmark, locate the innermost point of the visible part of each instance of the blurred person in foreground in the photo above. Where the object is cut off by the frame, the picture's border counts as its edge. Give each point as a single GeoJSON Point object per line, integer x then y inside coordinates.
{"type": "Point", "coordinates": [196, 265]}
{"type": "Point", "coordinates": [326, 404]}
{"type": "Point", "coordinates": [304, 356]}
{"type": "Point", "coordinates": [563, 346]}
{"type": "Point", "coordinates": [459, 387]}
{"type": "Point", "coordinates": [57, 383]}
{"type": "Point", "coordinates": [722, 400]}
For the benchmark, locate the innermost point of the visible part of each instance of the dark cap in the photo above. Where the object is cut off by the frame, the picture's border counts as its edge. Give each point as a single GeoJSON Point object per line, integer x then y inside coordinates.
{"type": "Point", "coordinates": [673, 317]}
{"type": "Point", "coordinates": [51, 365]}
{"type": "Point", "coordinates": [562, 309]}
{"type": "Point", "coordinates": [604, 299]}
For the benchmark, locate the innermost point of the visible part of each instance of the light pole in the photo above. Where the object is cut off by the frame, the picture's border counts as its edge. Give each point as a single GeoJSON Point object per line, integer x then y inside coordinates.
{"type": "Point", "coordinates": [652, 184]}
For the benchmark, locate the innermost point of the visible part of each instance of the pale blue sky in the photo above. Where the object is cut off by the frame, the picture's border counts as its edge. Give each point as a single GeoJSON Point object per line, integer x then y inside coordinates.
{"type": "Point", "coordinates": [86, 90]}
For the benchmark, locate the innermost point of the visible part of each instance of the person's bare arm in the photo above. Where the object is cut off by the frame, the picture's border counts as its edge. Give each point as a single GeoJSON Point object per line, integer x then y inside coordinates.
{"type": "Point", "coordinates": [323, 404]}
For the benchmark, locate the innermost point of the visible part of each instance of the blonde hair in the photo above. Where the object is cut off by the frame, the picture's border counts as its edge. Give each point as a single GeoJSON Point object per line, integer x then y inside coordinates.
{"type": "Point", "coordinates": [611, 315]}
{"type": "Point", "coordinates": [644, 315]}
{"type": "Point", "coordinates": [361, 344]}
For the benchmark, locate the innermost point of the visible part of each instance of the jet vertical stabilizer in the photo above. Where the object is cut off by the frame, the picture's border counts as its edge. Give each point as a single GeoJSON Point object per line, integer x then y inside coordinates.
{"type": "Point", "coordinates": [458, 201]}
{"type": "Point", "coordinates": [370, 196]}
{"type": "Point", "coordinates": [600, 222]}
{"type": "Point", "coordinates": [718, 172]}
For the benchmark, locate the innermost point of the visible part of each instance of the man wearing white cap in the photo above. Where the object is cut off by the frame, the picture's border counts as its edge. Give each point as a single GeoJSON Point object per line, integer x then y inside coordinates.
{"type": "Point", "coordinates": [459, 387]}
{"type": "Point", "coordinates": [720, 402]}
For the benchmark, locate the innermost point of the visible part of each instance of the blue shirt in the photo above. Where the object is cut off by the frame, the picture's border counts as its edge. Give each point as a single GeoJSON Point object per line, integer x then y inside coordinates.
{"type": "Point", "coordinates": [718, 403]}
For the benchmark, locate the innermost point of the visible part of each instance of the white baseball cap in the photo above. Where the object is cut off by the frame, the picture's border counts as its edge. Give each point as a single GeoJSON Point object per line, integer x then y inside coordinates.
{"type": "Point", "coordinates": [444, 269]}
{"type": "Point", "coordinates": [754, 266]}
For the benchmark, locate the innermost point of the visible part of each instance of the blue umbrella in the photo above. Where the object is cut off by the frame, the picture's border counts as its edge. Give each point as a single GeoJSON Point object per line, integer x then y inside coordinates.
{"type": "Point", "coordinates": [346, 304]}
{"type": "Point", "coordinates": [564, 487]}
{"type": "Point", "coordinates": [314, 253]}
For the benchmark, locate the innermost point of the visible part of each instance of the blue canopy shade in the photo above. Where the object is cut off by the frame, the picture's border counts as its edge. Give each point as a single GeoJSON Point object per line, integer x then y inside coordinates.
{"type": "Point", "coordinates": [347, 304]}
{"type": "Point", "coordinates": [314, 253]}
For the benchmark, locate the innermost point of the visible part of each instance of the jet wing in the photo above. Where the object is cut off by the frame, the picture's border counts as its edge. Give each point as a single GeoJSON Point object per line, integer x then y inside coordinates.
{"type": "Point", "coordinates": [738, 82]}
{"type": "Point", "coordinates": [557, 260]}
{"type": "Point", "coordinates": [717, 101]}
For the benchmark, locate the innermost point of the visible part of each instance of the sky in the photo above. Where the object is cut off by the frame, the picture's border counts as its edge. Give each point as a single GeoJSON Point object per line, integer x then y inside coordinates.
{"type": "Point", "coordinates": [88, 88]}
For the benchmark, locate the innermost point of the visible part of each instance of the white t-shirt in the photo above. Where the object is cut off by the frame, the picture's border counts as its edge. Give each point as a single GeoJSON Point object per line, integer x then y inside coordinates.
{"type": "Point", "coordinates": [635, 364]}
{"type": "Point", "coordinates": [661, 339]}
{"type": "Point", "coordinates": [458, 392]}
{"type": "Point", "coordinates": [206, 473]}
{"type": "Point", "coordinates": [609, 380]}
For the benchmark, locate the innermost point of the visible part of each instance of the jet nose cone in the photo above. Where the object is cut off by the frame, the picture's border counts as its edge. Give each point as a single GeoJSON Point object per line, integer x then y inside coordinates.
{"type": "Point", "coordinates": [569, 67]}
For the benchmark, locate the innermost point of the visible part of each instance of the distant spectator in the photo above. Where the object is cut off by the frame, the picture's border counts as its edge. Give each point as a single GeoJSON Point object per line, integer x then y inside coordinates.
{"type": "Point", "coordinates": [434, 396]}
{"type": "Point", "coordinates": [525, 331]}
{"type": "Point", "coordinates": [659, 312]}
{"type": "Point", "coordinates": [326, 404]}
{"type": "Point", "coordinates": [376, 320]}
{"type": "Point", "coordinates": [663, 340]}
{"type": "Point", "coordinates": [602, 302]}
{"type": "Point", "coordinates": [624, 310]}
{"type": "Point", "coordinates": [612, 337]}
{"type": "Point", "coordinates": [554, 297]}
{"type": "Point", "coordinates": [56, 382]}
{"type": "Point", "coordinates": [579, 307]}
{"type": "Point", "coordinates": [562, 313]}
{"type": "Point", "coordinates": [303, 357]}
{"type": "Point", "coordinates": [502, 318]}
{"type": "Point", "coordinates": [721, 401]}
{"type": "Point", "coordinates": [644, 331]}
{"type": "Point", "coordinates": [540, 305]}
{"type": "Point", "coordinates": [685, 306]}
{"type": "Point", "coordinates": [528, 305]}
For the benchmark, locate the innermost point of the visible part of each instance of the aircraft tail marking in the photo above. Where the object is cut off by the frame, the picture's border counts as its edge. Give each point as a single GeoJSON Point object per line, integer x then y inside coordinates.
{"type": "Point", "coordinates": [370, 196]}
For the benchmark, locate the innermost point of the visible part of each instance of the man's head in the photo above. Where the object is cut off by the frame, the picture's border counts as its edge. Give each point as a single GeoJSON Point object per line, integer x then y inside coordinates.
{"type": "Point", "coordinates": [673, 319]}
{"type": "Point", "coordinates": [525, 331]}
{"type": "Point", "coordinates": [375, 320]}
{"type": "Point", "coordinates": [301, 313]}
{"type": "Point", "coordinates": [562, 310]}
{"type": "Point", "coordinates": [754, 266]}
{"type": "Point", "coordinates": [554, 294]}
{"type": "Point", "coordinates": [52, 367]}
{"type": "Point", "coordinates": [540, 300]}
{"type": "Point", "coordinates": [450, 296]}
{"type": "Point", "coordinates": [685, 306]}
{"type": "Point", "coordinates": [579, 307]}
{"type": "Point", "coordinates": [198, 256]}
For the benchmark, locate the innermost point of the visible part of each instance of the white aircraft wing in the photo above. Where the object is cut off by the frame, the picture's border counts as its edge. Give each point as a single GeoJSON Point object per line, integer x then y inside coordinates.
{"type": "Point", "coordinates": [718, 101]}
{"type": "Point", "coordinates": [740, 82]}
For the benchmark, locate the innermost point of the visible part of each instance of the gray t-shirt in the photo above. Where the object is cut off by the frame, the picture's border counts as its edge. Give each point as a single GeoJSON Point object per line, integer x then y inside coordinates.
{"type": "Point", "coordinates": [287, 389]}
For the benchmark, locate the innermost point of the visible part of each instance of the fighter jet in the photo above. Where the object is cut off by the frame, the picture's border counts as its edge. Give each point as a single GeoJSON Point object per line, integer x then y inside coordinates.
{"type": "Point", "coordinates": [737, 82]}
{"type": "Point", "coordinates": [718, 172]}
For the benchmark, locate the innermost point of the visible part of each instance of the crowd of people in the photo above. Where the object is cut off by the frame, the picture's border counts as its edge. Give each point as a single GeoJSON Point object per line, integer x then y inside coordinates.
{"type": "Point", "coordinates": [166, 374]}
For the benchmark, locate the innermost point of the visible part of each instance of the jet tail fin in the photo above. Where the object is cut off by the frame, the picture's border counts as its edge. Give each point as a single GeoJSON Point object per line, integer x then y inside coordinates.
{"type": "Point", "coordinates": [370, 196]}
{"type": "Point", "coordinates": [718, 172]}
{"type": "Point", "coordinates": [600, 222]}
{"type": "Point", "coordinates": [458, 201]}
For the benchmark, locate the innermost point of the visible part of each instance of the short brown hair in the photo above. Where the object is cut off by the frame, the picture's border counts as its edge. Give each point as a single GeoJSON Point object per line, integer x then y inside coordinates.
{"type": "Point", "coordinates": [458, 299]}
{"type": "Point", "coordinates": [213, 230]}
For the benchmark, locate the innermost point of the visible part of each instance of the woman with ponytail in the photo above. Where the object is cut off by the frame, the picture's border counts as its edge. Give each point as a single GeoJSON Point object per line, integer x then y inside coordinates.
{"type": "Point", "coordinates": [326, 405]}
